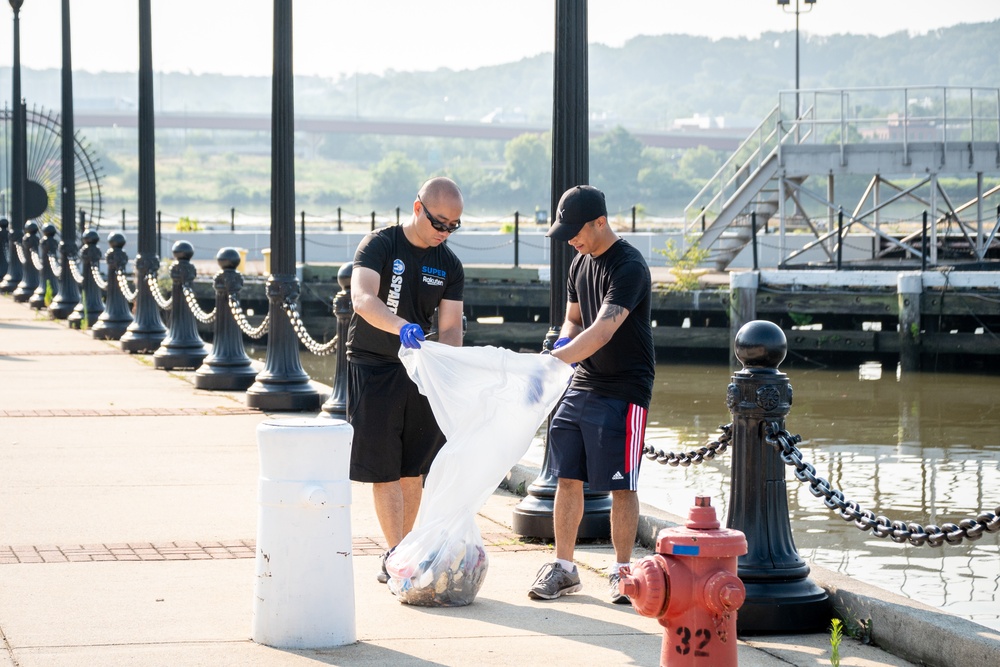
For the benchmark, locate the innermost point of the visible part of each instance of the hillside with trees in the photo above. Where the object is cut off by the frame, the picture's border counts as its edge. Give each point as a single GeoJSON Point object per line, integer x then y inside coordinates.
{"type": "Point", "coordinates": [647, 84]}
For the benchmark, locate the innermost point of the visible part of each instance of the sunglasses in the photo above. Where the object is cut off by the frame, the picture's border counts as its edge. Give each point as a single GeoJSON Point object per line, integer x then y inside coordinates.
{"type": "Point", "coordinates": [437, 224]}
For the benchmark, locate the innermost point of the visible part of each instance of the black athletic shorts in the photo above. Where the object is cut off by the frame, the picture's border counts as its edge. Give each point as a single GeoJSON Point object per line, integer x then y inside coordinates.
{"type": "Point", "coordinates": [395, 433]}
{"type": "Point", "coordinates": [598, 440]}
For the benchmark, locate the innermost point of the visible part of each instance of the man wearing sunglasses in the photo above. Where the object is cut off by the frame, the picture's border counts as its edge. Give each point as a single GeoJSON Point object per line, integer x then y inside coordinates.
{"type": "Point", "coordinates": [401, 275]}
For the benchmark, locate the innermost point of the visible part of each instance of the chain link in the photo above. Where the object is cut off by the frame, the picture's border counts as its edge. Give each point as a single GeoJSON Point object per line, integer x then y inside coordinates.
{"type": "Point", "coordinates": [154, 289]}
{"type": "Point", "coordinates": [244, 324]}
{"type": "Point", "coordinates": [123, 286]}
{"type": "Point", "coordinates": [74, 269]}
{"type": "Point", "coordinates": [881, 526]}
{"type": "Point", "coordinates": [20, 254]}
{"type": "Point", "coordinates": [695, 456]}
{"type": "Point", "coordinates": [54, 265]}
{"type": "Point", "coordinates": [98, 280]}
{"type": "Point", "coordinates": [36, 259]}
{"type": "Point", "coordinates": [319, 349]}
{"type": "Point", "coordinates": [192, 302]}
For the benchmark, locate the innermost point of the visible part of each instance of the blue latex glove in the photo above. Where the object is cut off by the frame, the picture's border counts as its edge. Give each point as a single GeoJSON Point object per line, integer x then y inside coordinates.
{"type": "Point", "coordinates": [561, 343]}
{"type": "Point", "coordinates": [410, 335]}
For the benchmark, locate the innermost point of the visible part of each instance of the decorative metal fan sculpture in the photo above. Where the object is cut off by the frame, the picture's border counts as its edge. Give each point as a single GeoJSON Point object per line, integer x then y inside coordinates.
{"type": "Point", "coordinates": [43, 194]}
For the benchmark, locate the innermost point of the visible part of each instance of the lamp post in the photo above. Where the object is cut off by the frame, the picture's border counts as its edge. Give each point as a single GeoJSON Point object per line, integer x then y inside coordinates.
{"type": "Point", "coordinates": [17, 161]}
{"type": "Point", "coordinates": [786, 7]}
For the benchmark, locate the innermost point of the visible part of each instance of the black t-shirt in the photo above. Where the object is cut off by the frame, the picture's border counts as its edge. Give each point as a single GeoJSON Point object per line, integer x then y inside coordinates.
{"type": "Point", "coordinates": [624, 367]}
{"type": "Point", "coordinates": [413, 281]}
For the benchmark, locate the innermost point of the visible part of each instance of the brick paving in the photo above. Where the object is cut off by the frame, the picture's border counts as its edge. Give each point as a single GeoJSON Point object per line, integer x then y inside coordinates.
{"type": "Point", "coordinates": [190, 550]}
{"type": "Point", "coordinates": [218, 411]}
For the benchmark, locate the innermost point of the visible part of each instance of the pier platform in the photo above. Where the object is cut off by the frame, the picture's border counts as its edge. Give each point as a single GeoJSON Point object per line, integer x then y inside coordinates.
{"type": "Point", "coordinates": [127, 537]}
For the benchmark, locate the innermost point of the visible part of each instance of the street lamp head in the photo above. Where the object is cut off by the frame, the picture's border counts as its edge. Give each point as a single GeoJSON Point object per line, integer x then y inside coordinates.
{"type": "Point", "coordinates": [785, 2]}
{"type": "Point", "coordinates": [16, 5]}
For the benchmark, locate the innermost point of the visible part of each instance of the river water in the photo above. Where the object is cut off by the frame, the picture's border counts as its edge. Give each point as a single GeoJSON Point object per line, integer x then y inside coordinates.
{"type": "Point", "coordinates": [921, 447]}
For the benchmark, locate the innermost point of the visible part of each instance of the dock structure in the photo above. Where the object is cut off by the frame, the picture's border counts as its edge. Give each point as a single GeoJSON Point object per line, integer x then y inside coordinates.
{"type": "Point", "coordinates": [860, 168]}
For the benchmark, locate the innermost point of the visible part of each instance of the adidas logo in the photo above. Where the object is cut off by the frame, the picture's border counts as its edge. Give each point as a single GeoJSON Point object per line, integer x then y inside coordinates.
{"type": "Point", "coordinates": [617, 475]}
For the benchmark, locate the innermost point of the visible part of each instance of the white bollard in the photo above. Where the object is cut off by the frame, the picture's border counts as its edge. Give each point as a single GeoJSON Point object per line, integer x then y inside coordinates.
{"type": "Point", "coordinates": [304, 586]}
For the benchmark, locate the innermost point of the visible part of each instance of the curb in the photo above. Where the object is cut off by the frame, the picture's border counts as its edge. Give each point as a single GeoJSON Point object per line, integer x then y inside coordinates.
{"type": "Point", "coordinates": [906, 628]}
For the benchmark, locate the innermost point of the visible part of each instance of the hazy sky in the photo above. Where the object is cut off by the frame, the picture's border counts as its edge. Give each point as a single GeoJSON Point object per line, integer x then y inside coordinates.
{"type": "Point", "coordinates": [335, 37]}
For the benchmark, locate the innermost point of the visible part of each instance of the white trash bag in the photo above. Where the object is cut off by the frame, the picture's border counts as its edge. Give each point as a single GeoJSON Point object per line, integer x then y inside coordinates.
{"type": "Point", "coordinates": [489, 403]}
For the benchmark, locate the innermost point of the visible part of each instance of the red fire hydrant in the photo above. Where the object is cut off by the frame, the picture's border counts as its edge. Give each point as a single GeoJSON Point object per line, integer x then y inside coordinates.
{"type": "Point", "coordinates": [690, 586]}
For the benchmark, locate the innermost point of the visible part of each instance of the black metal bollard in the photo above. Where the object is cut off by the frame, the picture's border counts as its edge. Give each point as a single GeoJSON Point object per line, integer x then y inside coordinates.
{"type": "Point", "coordinates": [228, 366]}
{"type": "Point", "coordinates": [29, 272]}
{"type": "Point", "coordinates": [182, 347]}
{"type": "Point", "coordinates": [336, 405]}
{"type": "Point", "coordinates": [780, 598]}
{"type": "Point", "coordinates": [49, 247]}
{"type": "Point", "coordinates": [117, 316]}
{"type": "Point", "coordinates": [4, 245]}
{"type": "Point", "coordinates": [91, 306]}
{"type": "Point", "coordinates": [68, 297]}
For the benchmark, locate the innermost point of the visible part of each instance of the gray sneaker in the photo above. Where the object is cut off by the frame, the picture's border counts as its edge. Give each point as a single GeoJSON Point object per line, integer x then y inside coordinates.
{"type": "Point", "coordinates": [617, 597]}
{"type": "Point", "coordinates": [553, 581]}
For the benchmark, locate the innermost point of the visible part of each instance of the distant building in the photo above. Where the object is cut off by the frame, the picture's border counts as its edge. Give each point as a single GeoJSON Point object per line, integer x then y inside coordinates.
{"type": "Point", "coordinates": [699, 122]}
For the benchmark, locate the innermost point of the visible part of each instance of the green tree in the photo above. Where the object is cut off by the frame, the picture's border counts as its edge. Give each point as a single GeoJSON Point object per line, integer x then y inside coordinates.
{"type": "Point", "coordinates": [529, 168]}
{"type": "Point", "coordinates": [699, 164]}
{"type": "Point", "coordinates": [615, 162]}
{"type": "Point", "coordinates": [395, 179]}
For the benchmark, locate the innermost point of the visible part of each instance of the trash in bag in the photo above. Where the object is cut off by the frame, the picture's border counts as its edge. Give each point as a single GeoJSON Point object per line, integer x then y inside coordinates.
{"type": "Point", "coordinates": [489, 403]}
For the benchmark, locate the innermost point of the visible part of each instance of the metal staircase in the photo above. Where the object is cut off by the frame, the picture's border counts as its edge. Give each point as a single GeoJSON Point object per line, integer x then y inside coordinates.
{"type": "Point", "coordinates": [913, 133]}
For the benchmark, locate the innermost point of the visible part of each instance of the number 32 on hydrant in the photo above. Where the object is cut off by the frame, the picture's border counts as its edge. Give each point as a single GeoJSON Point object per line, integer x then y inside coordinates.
{"type": "Point", "coordinates": [690, 586]}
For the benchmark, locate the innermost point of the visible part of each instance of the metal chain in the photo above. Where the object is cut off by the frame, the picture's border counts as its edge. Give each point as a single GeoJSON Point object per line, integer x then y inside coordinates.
{"type": "Point", "coordinates": [75, 270]}
{"type": "Point", "coordinates": [54, 265]}
{"type": "Point", "coordinates": [881, 526]}
{"type": "Point", "coordinates": [98, 280]}
{"type": "Point", "coordinates": [154, 289]}
{"type": "Point", "coordinates": [244, 324]}
{"type": "Point", "coordinates": [192, 302]}
{"type": "Point", "coordinates": [36, 260]}
{"type": "Point", "coordinates": [695, 456]}
{"type": "Point", "coordinates": [319, 349]}
{"type": "Point", "coordinates": [20, 253]}
{"type": "Point", "coordinates": [123, 286]}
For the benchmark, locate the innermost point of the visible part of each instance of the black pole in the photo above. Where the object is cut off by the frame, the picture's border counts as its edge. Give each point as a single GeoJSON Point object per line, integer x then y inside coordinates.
{"type": "Point", "coordinates": [840, 238]}
{"type": "Point", "coordinates": [232, 219]}
{"type": "Point", "coordinates": [779, 595]}
{"type": "Point", "coordinates": [570, 166]}
{"type": "Point", "coordinates": [14, 270]}
{"type": "Point", "coordinates": [146, 332]}
{"type": "Point", "coordinates": [282, 385]}
{"type": "Point", "coordinates": [753, 235]}
{"type": "Point", "coordinates": [228, 366]}
{"type": "Point", "coordinates": [923, 245]}
{"type": "Point", "coordinates": [336, 405]}
{"type": "Point", "coordinates": [373, 221]}
{"type": "Point", "coordinates": [633, 219]}
{"type": "Point", "coordinates": [182, 347]}
{"type": "Point", "coordinates": [302, 236]}
{"type": "Point", "coordinates": [340, 223]}
{"type": "Point", "coordinates": [117, 316]}
{"type": "Point", "coordinates": [397, 215]}
{"type": "Point", "coordinates": [69, 291]}
{"type": "Point", "coordinates": [702, 220]}
{"type": "Point", "coordinates": [517, 245]}
{"type": "Point", "coordinates": [83, 220]}
{"type": "Point", "coordinates": [91, 306]}
{"type": "Point", "coordinates": [159, 233]}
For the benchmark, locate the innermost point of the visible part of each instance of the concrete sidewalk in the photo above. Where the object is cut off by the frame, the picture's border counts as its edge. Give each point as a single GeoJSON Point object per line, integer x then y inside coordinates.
{"type": "Point", "coordinates": [127, 524]}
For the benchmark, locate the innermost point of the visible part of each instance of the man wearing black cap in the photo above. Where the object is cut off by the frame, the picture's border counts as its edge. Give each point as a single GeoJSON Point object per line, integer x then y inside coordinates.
{"type": "Point", "coordinates": [596, 433]}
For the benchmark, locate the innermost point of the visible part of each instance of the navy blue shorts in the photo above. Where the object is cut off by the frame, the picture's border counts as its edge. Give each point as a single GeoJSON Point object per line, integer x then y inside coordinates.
{"type": "Point", "coordinates": [395, 433]}
{"type": "Point", "coordinates": [597, 440]}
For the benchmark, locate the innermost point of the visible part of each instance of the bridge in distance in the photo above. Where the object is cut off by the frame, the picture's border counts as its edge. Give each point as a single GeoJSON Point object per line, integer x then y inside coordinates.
{"type": "Point", "coordinates": [716, 139]}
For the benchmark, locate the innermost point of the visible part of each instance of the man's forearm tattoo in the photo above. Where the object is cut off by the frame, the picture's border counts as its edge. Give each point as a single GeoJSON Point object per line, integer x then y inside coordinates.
{"type": "Point", "coordinates": [612, 313]}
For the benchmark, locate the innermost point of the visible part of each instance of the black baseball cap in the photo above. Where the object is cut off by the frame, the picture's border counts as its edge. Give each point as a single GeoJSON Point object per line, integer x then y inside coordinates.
{"type": "Point", "coordinates": [578, 206]}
